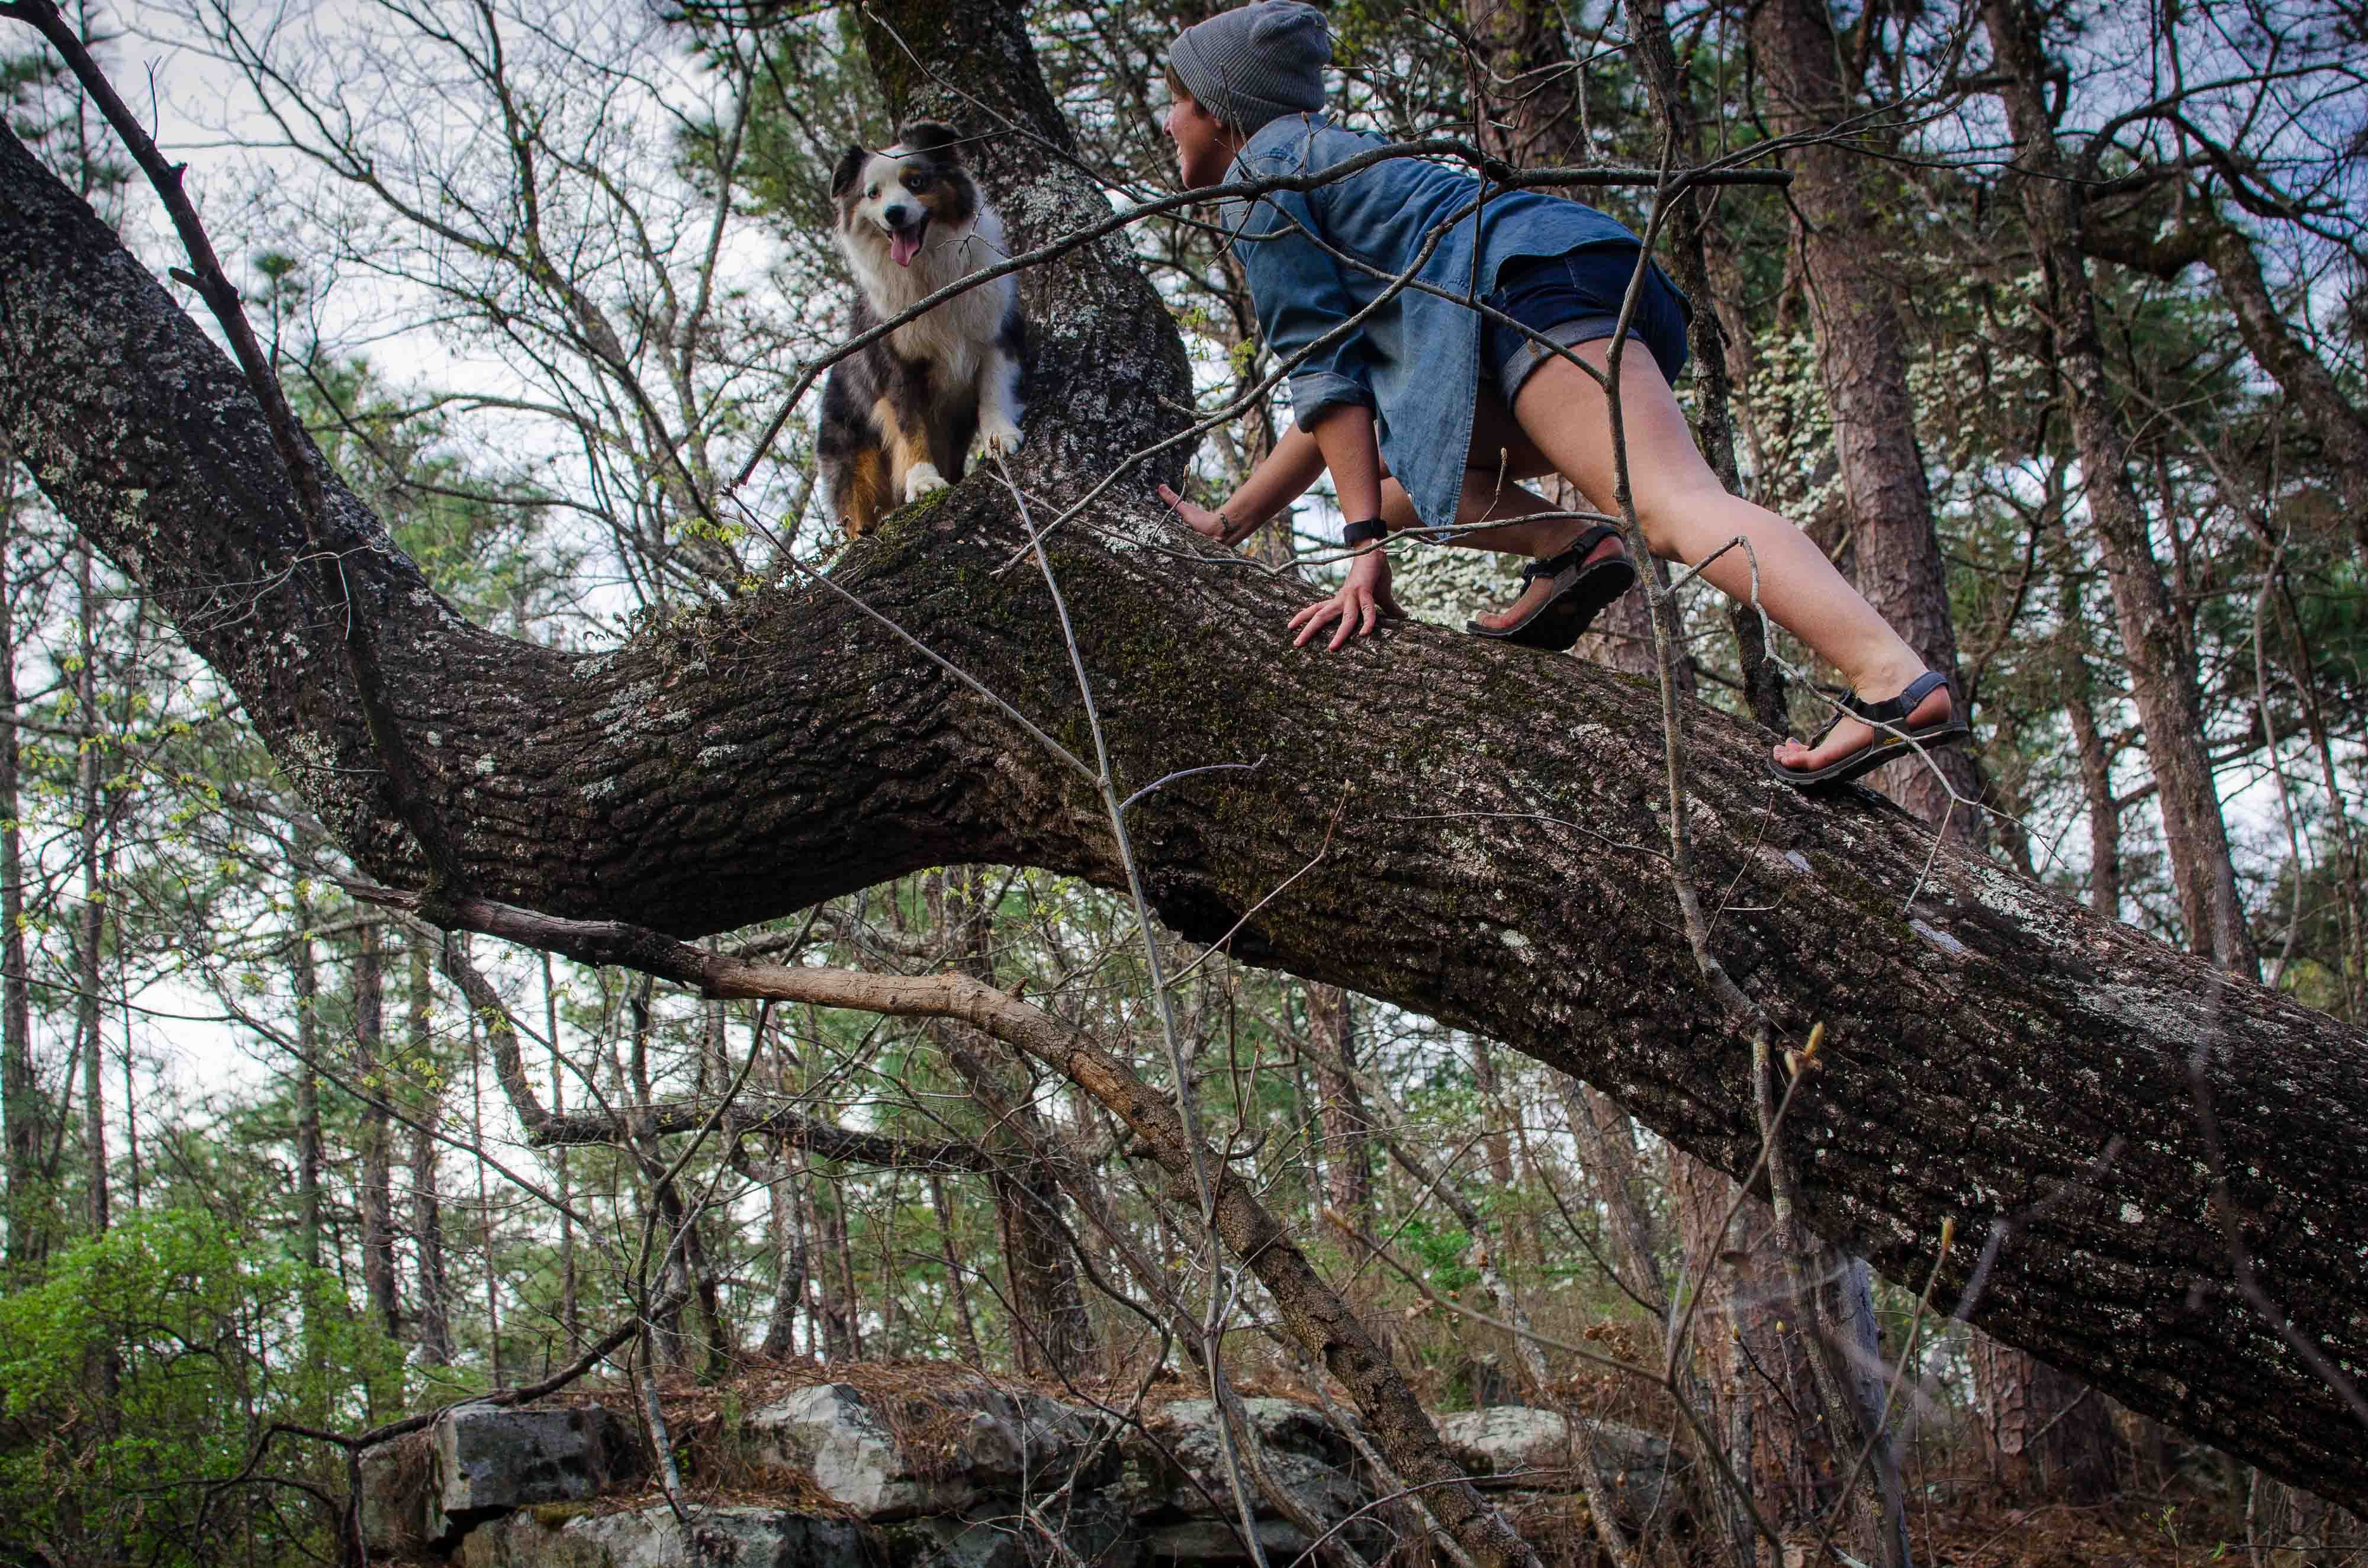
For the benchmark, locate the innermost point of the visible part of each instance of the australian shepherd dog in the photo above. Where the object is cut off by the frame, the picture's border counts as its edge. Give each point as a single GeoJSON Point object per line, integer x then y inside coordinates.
{"type": "Point", "coordinates": [898, 417]}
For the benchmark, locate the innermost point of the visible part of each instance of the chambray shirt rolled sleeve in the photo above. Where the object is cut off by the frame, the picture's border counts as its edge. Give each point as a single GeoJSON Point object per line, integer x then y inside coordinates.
{"type": "Point", "coordinates": [1302, 296]}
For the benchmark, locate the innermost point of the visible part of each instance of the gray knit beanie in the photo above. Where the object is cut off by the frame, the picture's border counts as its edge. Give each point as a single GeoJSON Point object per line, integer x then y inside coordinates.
{"type": "Point", "coordinates": [1255, 63]}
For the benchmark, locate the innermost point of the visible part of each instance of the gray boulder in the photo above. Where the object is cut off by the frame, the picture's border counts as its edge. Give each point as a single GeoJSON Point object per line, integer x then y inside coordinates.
{"type": "Point", "coordinates": [1176, 1492]}
{"type": "Point", "coordinates": [480, 1462]}
{"type": "Point", "coordinates": [398, 1494]}
{"type": "Point", "coordinates": [1514, 1446]}
{"type": "Point", "coordinates": [933, 1455]}
{"type": "Point", "coordinates": [563, 1537]}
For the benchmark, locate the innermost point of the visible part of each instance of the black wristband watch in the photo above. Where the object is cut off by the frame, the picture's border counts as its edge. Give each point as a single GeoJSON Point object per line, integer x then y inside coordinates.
{"type": "Point", "coordinates": [1365, 532]}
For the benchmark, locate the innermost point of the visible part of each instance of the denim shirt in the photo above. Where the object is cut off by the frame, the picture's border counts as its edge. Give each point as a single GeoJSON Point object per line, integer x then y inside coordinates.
{"type": "Point", "coordinates": [1416, 361]}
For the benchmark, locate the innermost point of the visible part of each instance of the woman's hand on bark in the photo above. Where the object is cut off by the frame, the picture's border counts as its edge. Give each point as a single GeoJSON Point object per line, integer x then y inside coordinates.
{"type": "Point", "coordinates": [1200, 520]}
{"type": "Point", "coordinates": [1363, 601]}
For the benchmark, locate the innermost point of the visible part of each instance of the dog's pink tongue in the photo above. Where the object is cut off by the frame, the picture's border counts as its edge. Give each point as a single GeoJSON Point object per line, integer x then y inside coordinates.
{"type": "Point", "coordinates": [903, 247]}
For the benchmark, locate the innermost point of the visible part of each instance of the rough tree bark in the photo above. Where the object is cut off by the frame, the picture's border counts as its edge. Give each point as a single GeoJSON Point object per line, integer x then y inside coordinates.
{"type": "Point", "coordinates": [2048, 1435]}
{"type": "Point", "coordinates": [2096, 753]}
{"type": "Point", "coordinates": [1607, 1150]}
{"type": "Point", "coordinates": [571, 1316]}
{"type": "Point", "coordinates": [1991, 1048]}
{"type": "Point", "coordinates": [1524, 88]}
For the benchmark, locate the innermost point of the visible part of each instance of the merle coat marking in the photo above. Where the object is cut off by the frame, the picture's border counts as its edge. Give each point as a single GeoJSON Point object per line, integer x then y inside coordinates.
{"type": "Point", "coordinates": [898, 417]}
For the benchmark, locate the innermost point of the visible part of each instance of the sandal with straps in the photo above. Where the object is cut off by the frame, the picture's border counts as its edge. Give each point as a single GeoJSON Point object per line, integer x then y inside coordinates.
{"type": "Point", "coordinates": [1580, 591]}
{"type": "Point", "coordinates": [1893, 738]}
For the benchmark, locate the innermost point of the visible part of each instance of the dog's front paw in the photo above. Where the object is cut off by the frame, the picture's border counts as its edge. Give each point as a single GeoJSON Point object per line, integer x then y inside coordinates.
{"type": "Point", "coordinates": [1000, 437]}
{"type": "Point", "coordinates": [924, 478]}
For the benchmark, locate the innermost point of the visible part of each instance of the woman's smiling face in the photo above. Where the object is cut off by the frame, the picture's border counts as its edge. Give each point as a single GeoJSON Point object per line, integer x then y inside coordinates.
{"type": "Point", "coordinates": [1202, 148]}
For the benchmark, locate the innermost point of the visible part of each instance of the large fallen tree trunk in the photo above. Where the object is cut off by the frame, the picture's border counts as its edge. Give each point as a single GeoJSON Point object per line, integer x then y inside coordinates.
{"type": "Point", "coordinates": [1468, 831]}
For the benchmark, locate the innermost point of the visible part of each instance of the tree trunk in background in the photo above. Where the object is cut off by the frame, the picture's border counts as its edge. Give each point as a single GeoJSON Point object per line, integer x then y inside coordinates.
{"type": "Point", "coordinates": [823, 1217]}
{"type": "Point", "coordinates": [1862, 356]}
{"type": "Point", "coordinates": [2162, 665]}
{"type": "Point", "coordinates": [571, 1316]}
{"type": "Point", "coordinates": [1348, 1132]}
{"type": "Point", "coordinates": [787, 1181]}
{"type": "Point", "coordinates": [1752, 1391]}
{"type": "Point", "coordinates": [1839, 1308]}
{"type": "Point", "coordinates": [1524, 94]}
{"type": "Point", "coordinates": [306, 984]}
{"type": "Point", "coordinates": [1495, 1140]}
{"type": "Point", "coordinates": [435, 1325]}
{"type": "Point", "coordinates": [957, 1286]}
{"type": "Point", "coordinates": [90, 917]}
{"type": "Point", "coordinates": [1606, 1137]}
{"type": "Point", "coordinates": [1862, 352]}
{"type": "Point", "coordinates": [1051, 1332]}
{"type": "Point", "coordinates": [653, 1194]}
{"type": "Point", "coordinates": [376, 1199]}
{"type": "Point", "coordinates": [2204, 236]}
{"type": "Point", "coordinates": [2050, 1436]}
{"type": "Point", "coordinates": [2096, 759]}
{"type": "Point", "coordinates": [786, 1236]}
{"type": "Point", "coordinates": [1524, 84]}
{"type": "Point", "coordinates": [484, 1201]}
{"type": "Point", "coordinates": [20, 1101]}
{"type": "Point", "coordinates": [1714, 347]}
{"type": "Point", "coordinates": [1796, 1427]}
{"type": "Point", "coordinates": [2288, 1527]}
{"type": "Point", "coordinates": [683, 1267]}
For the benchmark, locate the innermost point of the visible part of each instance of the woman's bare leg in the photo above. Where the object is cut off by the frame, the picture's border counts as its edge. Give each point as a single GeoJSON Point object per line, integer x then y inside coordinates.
{"type": "Point", "coordinates": [1687, 515]}
{"type": "Point", "coordinates": [1491, 491]}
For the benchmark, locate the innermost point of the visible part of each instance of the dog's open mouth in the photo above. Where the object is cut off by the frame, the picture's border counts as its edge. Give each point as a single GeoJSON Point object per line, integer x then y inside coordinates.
{"type": "Point", "coordinates": [903, 244]}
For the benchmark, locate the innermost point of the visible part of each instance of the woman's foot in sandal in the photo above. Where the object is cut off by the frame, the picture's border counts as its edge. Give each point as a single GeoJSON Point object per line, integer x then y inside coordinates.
{"type": "Point", "coordinates": [1564, 593]}
{"type": "Point", "coordinates": [1872, 731]}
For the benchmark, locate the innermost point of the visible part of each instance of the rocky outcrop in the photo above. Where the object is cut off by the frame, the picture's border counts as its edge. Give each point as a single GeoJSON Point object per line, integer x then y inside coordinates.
{"type": "Point", "coordinates": [652, 1537]}
{"type": "Point", "coordinates": [1176, 1491]}
{"type": "Point", "coordinates": [478, 1463]}
{"type": "Point", "coordinates": [1511, 1446]}
{"type": "Point", "coordinates": [951, 1449]}
{"type": "Point", "coordinates": [966, 1474]}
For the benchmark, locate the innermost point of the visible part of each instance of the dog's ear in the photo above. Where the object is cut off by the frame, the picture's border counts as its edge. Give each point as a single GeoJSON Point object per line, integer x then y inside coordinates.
{"type": "Point", "coordinates": [930, 136]}
{"type": "Point", "coordinates": [851, 166]}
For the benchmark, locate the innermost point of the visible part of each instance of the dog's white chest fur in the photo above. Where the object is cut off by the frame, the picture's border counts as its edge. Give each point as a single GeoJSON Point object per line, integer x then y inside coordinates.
{"type": "Point", "coordinates": [955, 337]}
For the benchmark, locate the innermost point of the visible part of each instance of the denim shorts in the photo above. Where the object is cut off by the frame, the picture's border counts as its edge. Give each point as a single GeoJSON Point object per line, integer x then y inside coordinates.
{"type": "Point", "coordinates": [1575, 298]}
